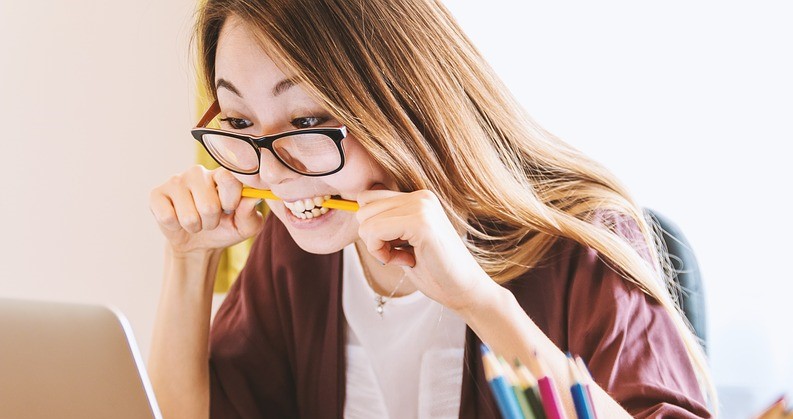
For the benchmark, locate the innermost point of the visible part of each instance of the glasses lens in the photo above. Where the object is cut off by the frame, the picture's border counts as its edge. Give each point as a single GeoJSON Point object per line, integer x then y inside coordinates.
{"type": "Point", "coordinates": [308, 153]}
{"type": "Point", "coordinates": [232, 153]}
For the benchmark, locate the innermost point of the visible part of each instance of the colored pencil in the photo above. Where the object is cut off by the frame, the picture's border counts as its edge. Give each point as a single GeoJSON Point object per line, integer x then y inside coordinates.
{"type": "Point", "coordinates": [583, 409]}
{"type": "Point", "coordinates": [550, 398]}
{"type": "Point", "coordinates": [529, 385]}
{"type": "Point", "coordinates": [520, 396]}
{"type": "Point", "coordinates": [341, 204]}
{"type": "Point", "coordinates": [505, 398]}
{"type": "Point", "coordinates": [588, 380]}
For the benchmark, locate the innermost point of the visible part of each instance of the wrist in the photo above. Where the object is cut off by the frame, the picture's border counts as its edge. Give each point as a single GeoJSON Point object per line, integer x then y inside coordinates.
{"type": "Point", "coordinates": [193, 256]}
{"type": "Point", "coordinates": [196, 268]}
{"type": "Point", "coordinates": [485, 300]}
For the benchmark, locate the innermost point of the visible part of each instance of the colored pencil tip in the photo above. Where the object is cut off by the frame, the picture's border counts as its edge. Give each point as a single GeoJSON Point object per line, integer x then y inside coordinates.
{"type": "Point", "coordinates": [582, 368]}
{"type": "Point", "coordinates": [485, 348]}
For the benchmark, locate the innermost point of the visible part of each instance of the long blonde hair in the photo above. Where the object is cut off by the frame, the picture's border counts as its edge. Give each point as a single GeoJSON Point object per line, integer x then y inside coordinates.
{"type": "Point", "coordinates": [417, 94]}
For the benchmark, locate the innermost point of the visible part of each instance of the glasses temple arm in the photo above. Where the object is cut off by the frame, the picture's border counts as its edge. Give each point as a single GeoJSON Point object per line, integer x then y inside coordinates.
{"type": "Point", "coordinates": [209, 114]}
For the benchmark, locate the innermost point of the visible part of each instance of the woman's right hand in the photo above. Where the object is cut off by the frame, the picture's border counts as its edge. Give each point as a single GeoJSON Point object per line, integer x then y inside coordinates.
{"type": "Point", "coordinates": [202, 210]}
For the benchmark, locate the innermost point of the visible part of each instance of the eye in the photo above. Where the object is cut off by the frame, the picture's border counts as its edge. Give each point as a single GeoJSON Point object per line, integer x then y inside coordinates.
{"type": "Point", "coordinates": [237, 123]}
{"type": "Point", "coordinates": [308, 121]}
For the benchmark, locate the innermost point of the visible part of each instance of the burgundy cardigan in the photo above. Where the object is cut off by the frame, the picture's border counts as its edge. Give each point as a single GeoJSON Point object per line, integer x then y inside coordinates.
{"type": "Point", "coordinates": [277, 344]}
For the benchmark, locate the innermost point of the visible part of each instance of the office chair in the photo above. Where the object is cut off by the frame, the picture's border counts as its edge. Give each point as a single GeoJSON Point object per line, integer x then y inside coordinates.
{"type": "Point", "coordinates": [690, 292]}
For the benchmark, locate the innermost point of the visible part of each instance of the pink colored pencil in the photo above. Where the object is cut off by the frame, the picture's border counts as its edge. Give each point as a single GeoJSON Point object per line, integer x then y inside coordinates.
{"type": "Point", "coordinates": [551, 402]}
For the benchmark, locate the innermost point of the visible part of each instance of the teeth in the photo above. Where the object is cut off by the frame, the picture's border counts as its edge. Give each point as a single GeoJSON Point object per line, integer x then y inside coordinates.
{"type": "Point", "coordinates": [314, 213]}
{"type": "Point", "coordinates": [309, 207]}
{"type": "Point", "coordinates": [300, 206]}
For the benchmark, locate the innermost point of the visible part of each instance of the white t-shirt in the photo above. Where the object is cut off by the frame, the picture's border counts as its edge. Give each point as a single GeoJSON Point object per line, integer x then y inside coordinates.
{"type": "Point", "coordinates": [406, 364]}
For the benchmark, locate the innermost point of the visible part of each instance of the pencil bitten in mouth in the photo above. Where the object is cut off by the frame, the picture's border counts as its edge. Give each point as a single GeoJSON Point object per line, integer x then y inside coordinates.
{"type": "Point", "coordinates": [309, 207]}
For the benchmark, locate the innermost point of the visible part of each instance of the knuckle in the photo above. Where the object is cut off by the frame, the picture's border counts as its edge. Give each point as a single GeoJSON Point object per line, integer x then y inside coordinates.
{"type": "Point", "coordinates": [194, 172]}
{"type": "Point", "coordinates": [191, 223]}
{"type": "Point", "coordinates": [207, 209]}
{"type": "Point", "coordinates": [177, 180]}
{"type": "Point", "coordinates": [427, 196]}
{"type": "Point", "coordinates": [167, 219]}
{"type": "Point", "coordinates": [197, 168]}
{"type": "Point", "coordinates": [222, 174]}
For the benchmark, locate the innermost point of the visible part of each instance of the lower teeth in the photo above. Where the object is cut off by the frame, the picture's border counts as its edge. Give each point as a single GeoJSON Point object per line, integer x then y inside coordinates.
{"type": "Point", "coordinates": [306, 215]}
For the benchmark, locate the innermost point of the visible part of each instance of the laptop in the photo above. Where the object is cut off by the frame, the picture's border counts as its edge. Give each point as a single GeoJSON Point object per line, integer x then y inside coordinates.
{"type": "Point", "coordinates": [60, 360]}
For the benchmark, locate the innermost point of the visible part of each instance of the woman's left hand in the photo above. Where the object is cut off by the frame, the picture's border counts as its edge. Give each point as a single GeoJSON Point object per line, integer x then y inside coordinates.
{"type": "Point", "coordinates": [438, 264]}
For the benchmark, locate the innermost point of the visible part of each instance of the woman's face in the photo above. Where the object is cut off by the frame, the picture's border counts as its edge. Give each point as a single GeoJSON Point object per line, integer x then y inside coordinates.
{"type": "Point", "coordinates": [245, 79]}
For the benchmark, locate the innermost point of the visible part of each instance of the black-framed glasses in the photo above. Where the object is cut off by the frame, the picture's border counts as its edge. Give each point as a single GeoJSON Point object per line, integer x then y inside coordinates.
{"type": "Point", "coordinates": [308, 151]}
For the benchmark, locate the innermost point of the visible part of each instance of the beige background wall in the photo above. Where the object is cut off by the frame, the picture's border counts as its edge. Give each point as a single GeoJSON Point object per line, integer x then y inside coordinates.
{"type": "Point", "coordinates": [689, 103]}
{"type": "Point", "coordinates": [95, 108]}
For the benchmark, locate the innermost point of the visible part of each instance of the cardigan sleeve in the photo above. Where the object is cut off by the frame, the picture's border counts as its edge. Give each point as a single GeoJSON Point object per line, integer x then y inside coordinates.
{"type": "Point", "coordinates": [628, 339]}
{"type": "Point", "coordinates": [249, 370]}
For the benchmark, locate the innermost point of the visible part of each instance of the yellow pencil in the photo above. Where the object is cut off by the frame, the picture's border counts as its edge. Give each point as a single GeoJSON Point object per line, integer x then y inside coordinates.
{"type": "Point", "coordinates": [340, 204]}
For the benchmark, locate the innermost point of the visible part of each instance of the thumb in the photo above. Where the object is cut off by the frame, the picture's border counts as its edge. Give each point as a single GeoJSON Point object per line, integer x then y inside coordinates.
{"type": "Point", "coordinates": [247, 217]}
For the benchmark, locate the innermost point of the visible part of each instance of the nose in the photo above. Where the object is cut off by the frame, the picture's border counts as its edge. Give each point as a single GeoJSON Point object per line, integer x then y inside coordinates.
{"type": "Point", "coordinates": [272, 171]}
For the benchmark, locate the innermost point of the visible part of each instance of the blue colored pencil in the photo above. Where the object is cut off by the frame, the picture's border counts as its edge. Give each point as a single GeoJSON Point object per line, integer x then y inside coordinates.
{"type": "Point", "coordinates": [583, 409]}
{"type": "Point", "coordinates": [588, 380]}
{"type": "Point", "coordinates": [514, 382]}
{"type": "Point", "coordinates": [502, 392]}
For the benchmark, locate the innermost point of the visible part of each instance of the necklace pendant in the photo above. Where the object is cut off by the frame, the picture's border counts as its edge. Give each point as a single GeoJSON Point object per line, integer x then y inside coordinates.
{"type": "Point", "coordinates": [380, 303]}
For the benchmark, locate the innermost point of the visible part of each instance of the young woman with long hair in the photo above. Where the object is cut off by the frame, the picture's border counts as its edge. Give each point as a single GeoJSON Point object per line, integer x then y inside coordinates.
{"type": "Point", "coordinates": [474, 224]}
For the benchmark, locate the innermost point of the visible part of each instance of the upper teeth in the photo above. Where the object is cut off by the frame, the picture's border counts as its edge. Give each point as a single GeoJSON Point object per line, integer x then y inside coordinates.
{"type": "Point", "coordinates": [313, 206]}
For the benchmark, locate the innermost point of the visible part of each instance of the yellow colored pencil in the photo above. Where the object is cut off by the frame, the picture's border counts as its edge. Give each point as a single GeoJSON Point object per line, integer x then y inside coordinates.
{"type": "Point", "coordinates": [340, 204]}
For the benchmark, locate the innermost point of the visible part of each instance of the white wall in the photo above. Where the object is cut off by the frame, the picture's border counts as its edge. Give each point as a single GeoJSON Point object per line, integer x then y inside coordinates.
{"type": "Point", "coordinates": [95, 110]}
{"type": "Point", "coordinates": [689, 103]}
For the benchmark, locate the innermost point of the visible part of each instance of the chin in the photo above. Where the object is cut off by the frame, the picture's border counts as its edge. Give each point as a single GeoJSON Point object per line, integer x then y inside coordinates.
{"type": "Point", "coordinates": [322, 241]}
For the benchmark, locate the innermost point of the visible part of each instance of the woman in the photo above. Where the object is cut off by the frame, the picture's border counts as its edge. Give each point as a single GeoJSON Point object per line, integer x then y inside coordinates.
{"type": "Point", "coordinates": [474, 224]}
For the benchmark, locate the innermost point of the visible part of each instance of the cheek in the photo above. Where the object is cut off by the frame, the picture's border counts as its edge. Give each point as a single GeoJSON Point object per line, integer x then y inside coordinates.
{"type": "Point", "coordinates": [360, 170]}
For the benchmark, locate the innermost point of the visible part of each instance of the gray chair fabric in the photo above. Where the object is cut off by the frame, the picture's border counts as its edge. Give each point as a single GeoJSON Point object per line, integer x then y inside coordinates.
{"type": "Point", "coordinates": [690, 291]}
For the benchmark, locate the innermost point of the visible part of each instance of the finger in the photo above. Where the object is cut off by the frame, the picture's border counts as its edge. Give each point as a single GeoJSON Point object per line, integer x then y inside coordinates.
{"type": "Point", "coordinates": [185, 209]}
{"type": "Point", "coordinates": [391, 254]}
{"type": "Point", "coordinates": [247, 217]}
{"type": "Point", "coordinates": [207, 202]}
{"type": "Point", "coordinates": [162, 209]}
{"type": "Point", "coordinates": [384, 234]}
{"type": "Point", "coordinates": [386, 202]}
{"type": "Point", "coordinates": [229, 190]}
{"type": "Point", "coordinates": [378, 191]}
{"type": "Point", "coordinates": [403, 258]}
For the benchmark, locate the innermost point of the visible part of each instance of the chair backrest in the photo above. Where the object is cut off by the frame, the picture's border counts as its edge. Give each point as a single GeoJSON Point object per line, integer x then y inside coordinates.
{"type": "Point", "coordinates": [690, 291]}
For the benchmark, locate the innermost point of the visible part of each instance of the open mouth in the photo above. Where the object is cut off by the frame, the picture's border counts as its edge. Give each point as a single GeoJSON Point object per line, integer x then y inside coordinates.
{"type": "Point", "coordinates": [309, 208]}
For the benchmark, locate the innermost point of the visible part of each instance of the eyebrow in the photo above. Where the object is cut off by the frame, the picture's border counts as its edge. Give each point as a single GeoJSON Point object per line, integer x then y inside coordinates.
{"type": "Point", "coordinates": [280, 87]}
{"type": "Point", "coordinates": [284, 85]}
{"type": "Point", "coordinates": [228, 86]}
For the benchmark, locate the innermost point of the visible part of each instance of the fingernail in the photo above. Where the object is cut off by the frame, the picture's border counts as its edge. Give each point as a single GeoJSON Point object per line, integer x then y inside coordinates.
{"type": "Point", "coordinates": [228, 212]}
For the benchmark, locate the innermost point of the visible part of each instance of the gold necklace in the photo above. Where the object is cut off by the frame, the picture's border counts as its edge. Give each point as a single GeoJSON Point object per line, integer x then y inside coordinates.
{"type": "Point", "coordinates": [378, 299]}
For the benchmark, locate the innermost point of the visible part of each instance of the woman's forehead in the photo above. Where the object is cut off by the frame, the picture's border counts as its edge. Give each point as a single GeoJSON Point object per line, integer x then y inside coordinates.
{"type": "Point", "coordinates": [241, 60]}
